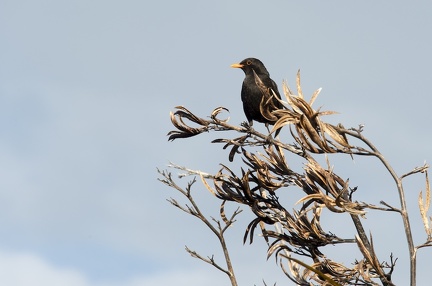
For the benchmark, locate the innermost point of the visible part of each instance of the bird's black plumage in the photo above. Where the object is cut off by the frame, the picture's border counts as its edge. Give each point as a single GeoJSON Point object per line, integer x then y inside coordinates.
{"type": "Point", "coordinates": [251, 94]}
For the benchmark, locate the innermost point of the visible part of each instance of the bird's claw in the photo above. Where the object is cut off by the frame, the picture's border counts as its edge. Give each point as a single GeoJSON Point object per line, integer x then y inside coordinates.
{"type": "Point", "coordinates": [247, 125]}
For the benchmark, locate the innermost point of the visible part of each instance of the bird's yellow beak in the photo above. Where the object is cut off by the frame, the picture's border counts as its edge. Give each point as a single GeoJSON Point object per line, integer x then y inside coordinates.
{"type": "Point", "coordinates": [236, 66]}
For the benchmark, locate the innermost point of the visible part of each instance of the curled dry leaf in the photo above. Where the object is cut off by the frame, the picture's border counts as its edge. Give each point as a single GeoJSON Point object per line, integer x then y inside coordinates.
{"type": "Point", "coordinates": [216, 112]}
{"type": "Point", "coordinates": [184, 130]}
{"type": "Point", "coordinates": [236, 143]}
{"type": "Point", "coordinates": [337, 135]}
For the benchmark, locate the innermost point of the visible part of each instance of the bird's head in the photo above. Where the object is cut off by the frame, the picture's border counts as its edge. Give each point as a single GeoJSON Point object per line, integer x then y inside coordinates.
{"type": "Point", "coordinates": [251, 64]}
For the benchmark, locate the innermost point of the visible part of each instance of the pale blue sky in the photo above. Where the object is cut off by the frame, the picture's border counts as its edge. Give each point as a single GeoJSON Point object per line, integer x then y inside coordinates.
{"type": "Point", "coordinates": [86, 88]}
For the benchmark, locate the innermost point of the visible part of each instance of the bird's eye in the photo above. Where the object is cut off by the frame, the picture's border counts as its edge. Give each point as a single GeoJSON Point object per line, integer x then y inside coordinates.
{"type": "Point", "coordinates": [248, 63]}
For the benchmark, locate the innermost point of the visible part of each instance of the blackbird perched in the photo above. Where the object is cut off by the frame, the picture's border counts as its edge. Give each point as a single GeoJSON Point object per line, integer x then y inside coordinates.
{"type": "Point", "coordinates": [251, 95]}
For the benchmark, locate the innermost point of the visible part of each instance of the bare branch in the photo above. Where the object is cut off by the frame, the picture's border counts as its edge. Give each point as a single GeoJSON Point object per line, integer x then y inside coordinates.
{"type": "Point", "coordinates": [293, 233]}
{"type": "Point", "coordinates": [416, 170]}
{"type": "Point", "coordinates": [209, 260]}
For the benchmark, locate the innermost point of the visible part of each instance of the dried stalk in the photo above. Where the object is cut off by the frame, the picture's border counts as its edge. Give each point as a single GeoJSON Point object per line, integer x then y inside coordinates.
{"type": "Point", "coordinates": [218, 230]}
{"type": "Point", "coordinates": [296, 232]}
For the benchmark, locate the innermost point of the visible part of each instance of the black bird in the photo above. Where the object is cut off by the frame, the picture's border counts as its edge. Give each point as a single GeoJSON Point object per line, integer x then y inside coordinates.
{"type": "Point", "coordinates": [251, 94]}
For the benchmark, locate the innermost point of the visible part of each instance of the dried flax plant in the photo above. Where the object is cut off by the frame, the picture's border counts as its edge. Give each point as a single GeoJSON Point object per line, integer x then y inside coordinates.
{"type": "Point", "coordinates": [295, 236]}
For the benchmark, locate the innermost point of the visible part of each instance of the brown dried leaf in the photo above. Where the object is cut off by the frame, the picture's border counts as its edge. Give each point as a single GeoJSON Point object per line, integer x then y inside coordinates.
{"type": "Point", "coordinates": [363, 249]}
{"type": "Point", "coordinates": [313, 134]}
{"type": "Point", "coordinates": [299, 90]}
{"type": "Point", "coordinates": [259, 83]}
{"type": "Point", "coordinates": [301, 139]}
{"type": "Point", "coordinates": [286, 89]}
{"type": "Point", "coordinates": [376, 263]}
{"type": "Point", "coordinates": [278, 160]}
{"type": "Point", "coordinates": [328, 112]}
{"type": "Point", "coordinates": [216, 112]}
{"type": "Point", "coordinates": [335, 134]}
{"type": "Point", "coordinates": [207, 186]}
{"type": "Point", "coordinates": [184, 112]}
{"type": "Point", "coordinates": [250, 230]}
{"type": "Point", "coordinates": [322, 276]}
{"type": "Point", "coordinates": [267, 107]}
{"type": "Point", "coordinates": [318, 196]}
{"type": "Point", "coordinates": [314, 96]}
{"type": "Point", "coordinates": [277, 247]}
{"type": "Point", "coordinates": [424, 206]}
{"type": "Point", "coordinates": [428, 191]}
{"type": "Point", "coordinates": [222, 212]}
{"type": "Point", "coordinates": [184, 130]}
{"type": "Point", "coordinates": [282, 122]}
{"type": "Point", "coordinates": [290, 98]}
{"type": "Point", "coordinates": [304, 107]}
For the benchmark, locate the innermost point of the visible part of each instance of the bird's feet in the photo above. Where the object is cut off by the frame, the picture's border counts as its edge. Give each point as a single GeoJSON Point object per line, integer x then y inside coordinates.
{"type": "Point", "coordinates": [247, 126]}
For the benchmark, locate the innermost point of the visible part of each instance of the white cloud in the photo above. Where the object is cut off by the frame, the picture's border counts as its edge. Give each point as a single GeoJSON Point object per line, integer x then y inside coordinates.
{"type": "Point", "coordinates": [27, 269]}
{"type": "Point", "coordinates": [20, 268]}
{"type": "Point", "coordinates": [182, 278]}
